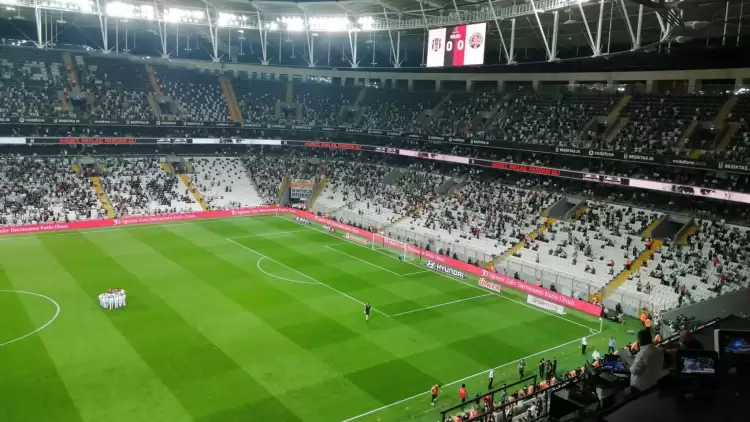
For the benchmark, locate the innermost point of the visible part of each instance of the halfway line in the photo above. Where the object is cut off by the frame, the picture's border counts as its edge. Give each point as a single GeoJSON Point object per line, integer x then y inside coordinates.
{"type": "Point", "coordinates": [442, 304]}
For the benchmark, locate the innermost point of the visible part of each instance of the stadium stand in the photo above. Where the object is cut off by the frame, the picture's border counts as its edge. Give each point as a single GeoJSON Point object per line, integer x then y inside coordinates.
{"type": "Point", "coordinates": [383, 202]}
{"type": "Point", "coordinates": [482, 214]}
{"type": "Point", "coordinates": [198, 93]}
{"type": "Point", "coordinates": [224, 182]}
{"type": "Point", "coordinates": [549, 119]}
{"type": "Point", "coordinates": [43, 190]}
{"type": "Point", "coordinates": [120, 88]}
{"type": "Point", "coordinates": [323, 101]}
{"type": "Point", "coordinates": [257, 98]}
{"type": "Point", "coordinates": [32, 83]}
{"type": "Point", "coordinates": [139, 186]}
{"type": "Point", "coordinates": [391, 109]}
{"type": "Point", "coordinates": [656, 123]}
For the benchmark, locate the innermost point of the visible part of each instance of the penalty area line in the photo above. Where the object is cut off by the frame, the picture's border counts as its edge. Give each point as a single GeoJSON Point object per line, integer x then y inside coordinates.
{"type": "Point", "coordinates": [550, 313]}
{"type": "Point", "coordinates": [362, 260]}
{"type": "Point", "coordinates": [280, 277]}
{"type": "Point", "coordinates": [442, 304]}
{"type": "Point", "coordinates": [306, 276]}
{"type": "Point", "coordinates": [267, 234]}
{"type": "Point", "coordinates": [459, 381]}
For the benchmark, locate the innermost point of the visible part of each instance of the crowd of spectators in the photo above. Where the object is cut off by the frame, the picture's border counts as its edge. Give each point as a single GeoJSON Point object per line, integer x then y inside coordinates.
{"type": "Point", "coordinates": [406, 191]}
{"type": "Point", "coordinates": [224, 182]}
{"type": "Point", "coordinates": [44, 190]}
{"type": "Point", "coordinates": [31, 83]}
{"type": "Point", "coordinates": [547, 119]}
{"type": "Point", "coordinates": [140, 186]}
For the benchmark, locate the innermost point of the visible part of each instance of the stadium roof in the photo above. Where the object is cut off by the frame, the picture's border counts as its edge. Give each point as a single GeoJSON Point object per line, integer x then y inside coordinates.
{"type": "Point", "coordinates": [587, 27]}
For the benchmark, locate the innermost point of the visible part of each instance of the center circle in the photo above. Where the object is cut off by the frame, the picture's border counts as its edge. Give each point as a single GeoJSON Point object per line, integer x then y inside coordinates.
{"type": "Point", "coordinates": [45, 325]}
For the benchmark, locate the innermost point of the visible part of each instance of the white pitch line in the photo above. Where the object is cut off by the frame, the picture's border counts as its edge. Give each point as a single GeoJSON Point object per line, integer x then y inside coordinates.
{"type": "Point", "coordinates": [458, 381]}
{"type": "Point", "coordinates": [441, 304]}
{"type": "Point", "coordinates": [459, 281]}
{"type": "Point", "coordinates": [266, 234]}
{"type": "Point", "coordinates": [362, 260]}
{"type": "Point", "coordinates": [54, 317]}
{"type": "Point", "coordinates": [94, 230]}
{"type": "Point", "coordinates": [417, 272]}
{"type": "Point", "coordinates": [280, 277]}
{"type": "Point", "coordinates": [306, 276]}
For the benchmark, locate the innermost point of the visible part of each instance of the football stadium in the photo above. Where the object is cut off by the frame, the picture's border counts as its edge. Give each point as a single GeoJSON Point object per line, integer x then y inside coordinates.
{"type": "Point", "coordinates": [366, 210]}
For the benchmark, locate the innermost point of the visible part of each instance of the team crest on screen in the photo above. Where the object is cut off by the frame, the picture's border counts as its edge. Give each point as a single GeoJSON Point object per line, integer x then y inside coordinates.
{"type": "Point", "coordinates": [476, 40]}
{"type": "Point", "coordinates": [436, 43]}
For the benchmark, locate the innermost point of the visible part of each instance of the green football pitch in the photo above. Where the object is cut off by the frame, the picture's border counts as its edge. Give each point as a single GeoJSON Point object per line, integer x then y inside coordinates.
{"type": "Point", "coordinates": [253, 319]}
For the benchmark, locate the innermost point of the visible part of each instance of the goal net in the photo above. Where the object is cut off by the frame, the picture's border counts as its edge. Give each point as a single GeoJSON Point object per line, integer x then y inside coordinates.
{"type": "Point", "coordinates": [393, 247]}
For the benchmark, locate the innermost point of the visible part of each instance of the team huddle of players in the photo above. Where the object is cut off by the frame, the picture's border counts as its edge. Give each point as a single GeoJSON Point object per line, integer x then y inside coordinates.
{"type": "Point", "coordinates": [113, 299]}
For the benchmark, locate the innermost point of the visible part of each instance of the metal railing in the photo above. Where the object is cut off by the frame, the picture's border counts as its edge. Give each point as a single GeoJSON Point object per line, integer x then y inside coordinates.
{"type": "Point", "coordinates": [565, 283]}
{"type": "Point", "coordinates": [570, 284]}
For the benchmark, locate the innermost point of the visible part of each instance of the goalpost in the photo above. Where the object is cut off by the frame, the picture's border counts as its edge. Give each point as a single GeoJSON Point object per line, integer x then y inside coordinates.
{"type": "Point", "coordinates": [393, 247]}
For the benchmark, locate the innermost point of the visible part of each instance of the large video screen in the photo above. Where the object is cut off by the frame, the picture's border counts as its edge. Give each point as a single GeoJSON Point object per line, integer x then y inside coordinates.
{"type": "Point", "coordinates": [460, 45]}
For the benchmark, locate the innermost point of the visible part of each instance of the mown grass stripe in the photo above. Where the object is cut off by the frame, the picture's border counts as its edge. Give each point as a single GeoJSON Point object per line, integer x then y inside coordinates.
{"type": "Point", "coordinates": [194, 369]}
{"type": "Point", "coordinates": [27, 372]}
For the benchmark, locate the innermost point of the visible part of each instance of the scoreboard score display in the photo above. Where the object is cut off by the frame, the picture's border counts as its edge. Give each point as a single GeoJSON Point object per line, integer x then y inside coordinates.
{"type": "Point", "coordinates": [460, 45]}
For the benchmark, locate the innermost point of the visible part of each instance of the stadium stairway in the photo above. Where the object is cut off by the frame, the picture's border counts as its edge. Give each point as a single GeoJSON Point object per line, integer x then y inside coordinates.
{"type": "Point", "coordinates": [231, 99]}
{"type": "Point", "coordinates": [646, 233]}
{"type": "Point", "coordinates": [194, 191]}
{"type": "Point", "coordinates": [167, 167]}
{"type": "Point", "coordinates": [620, 279]}
{"type": "Point", "coordinates": [316, 193]}
{"type": "Point", "coordinates": [683, 240]}
{"type": "Point", "coordinates": [154, 105]}
{"type": "Point", "coordinates": [726, 109]}
{"type": "Point", "coordinates": [282, 187]}
{"type": "Point", "coordinates": [154, 80]}
{"type": "Point", "coordinates": [518, 246]}
{"type": "Point", "coordinates": [617, 110]}
{"type": "Point", "coordinates": [103, 197]}
{"type": "Point", "coordinates": [73, 80]}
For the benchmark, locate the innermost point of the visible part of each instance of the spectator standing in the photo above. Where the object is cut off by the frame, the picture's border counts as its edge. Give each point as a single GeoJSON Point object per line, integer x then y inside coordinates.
{"type": "Point", "coordinates": [648, 363]}
{"type": "Point", "coordinates": [611, 345]}
{"type": "Point", "coordinates": [491, 379]}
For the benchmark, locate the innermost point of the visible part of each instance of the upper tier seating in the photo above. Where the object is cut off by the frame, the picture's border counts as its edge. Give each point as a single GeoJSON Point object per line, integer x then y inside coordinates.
{"type": "Point", "coordinates": [739, 146]}
{"type": "Point", "coordinates": [199, 94]}
{"type": "Point", "coordinates": [120, 87]}
{"type": "Point", "coordinates": [30, 80]}
{"type": "Point", "coordinates": [257, 98]}
{"type": "Point", "coordinates": [657, 122]}
{"type": "Point", "coordinates": [390, 109]}
{"type": "Point", "coordinates": [323, 101]}
{"type": "Point", "coordinates": [549, 119]}
{"type": "Point", "coordinates": [224, 183]}
{"type": "Point", "coordinates": [42, 190]}
{"type": "Point", "coordinates": [139, 186]}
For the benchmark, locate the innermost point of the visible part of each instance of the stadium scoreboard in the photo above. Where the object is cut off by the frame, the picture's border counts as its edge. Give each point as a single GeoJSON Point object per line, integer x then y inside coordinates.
{"type": "Point", "coordinates": [460, 45]}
